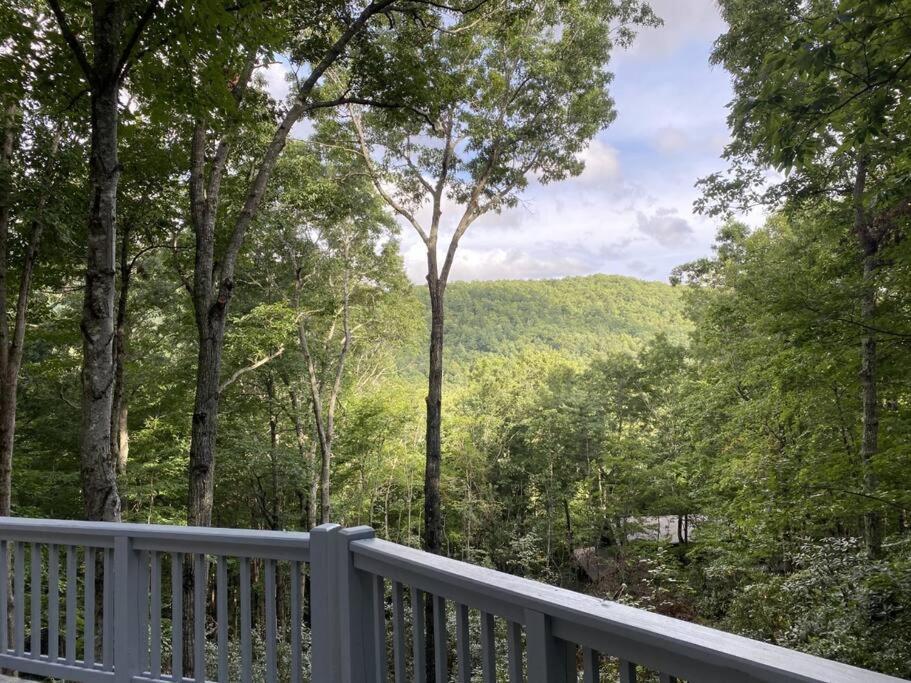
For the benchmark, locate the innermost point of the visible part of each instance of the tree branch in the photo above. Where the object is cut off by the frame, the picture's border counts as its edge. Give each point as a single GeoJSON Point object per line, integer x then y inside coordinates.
{"type": "Point", "coordinates": [250, 368]}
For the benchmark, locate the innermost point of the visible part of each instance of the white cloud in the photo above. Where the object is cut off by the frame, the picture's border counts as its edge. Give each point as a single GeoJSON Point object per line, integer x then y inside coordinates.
{"type": "Point", "coordinates": [685, 21]}
{"type": "Point", "coordinates": [275, 78]}
{"type": "Point", "coordinates": [665, 227]}
{"type": "Point", "coordinates": [601, 162]}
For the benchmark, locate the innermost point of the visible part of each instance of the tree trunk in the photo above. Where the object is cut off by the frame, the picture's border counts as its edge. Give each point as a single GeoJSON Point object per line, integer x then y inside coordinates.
{"type": "Point", "coordinates": [120, 444]}
{"type": "Point", "coordinates": [7, 392]}
{"type": "Point", "coordinates": [873, 521]}
{"type": "Point", "coordinates": [99, 480]}
{"type": "Point", "coordinates": [205, 418]}
{"type": "Point", "coordinates": [12, 343]}
{"type": "Point", "coordinates": [433, 520]}
{"type": "Point", "coordinates": [307, 454]}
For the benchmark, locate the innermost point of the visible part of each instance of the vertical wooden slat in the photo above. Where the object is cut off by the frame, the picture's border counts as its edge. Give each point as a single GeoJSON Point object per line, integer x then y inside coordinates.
{"type": "Point", "coordinates": [71, 589]}
{"type": "Point", "coordinates": [177, 616]}
{"type": "Point", "coordinates": [88, 608]}
{"type": "Point", "coordinates": [19, 598]}
{"type": "Point", "coordinates": [440, 640]}
{"type": "Point", "coordinates": [107, 619]}
{"type": "Point", "coordinates": [35, 621]}
{"type": "Point", "coordinates": [627, 672]}
{"type": "Point", "coordinates": [591, 666]}
{"type": "Point", "coordinates": [271, 628]}
{"type": "Point", "coordinates": [514, 652]}
{"type": "Point", "coordinates": [398, 631]}
{"type": "Point", "coordinates": [221, 597]}
{"type": "Point", "coordinates": [463, 645]}
{"type": "Point", "coordinates": [295, 622]}
{"type": "Point", "coordinates": [488, 649]}
{"type": "Point", "coordinates": [379, 627]}
{"type": "Point", "coordinates": [4, 596]}
{"type": "Point", "coordinates": [53, 602]}
{"type": "Point", "coordinates": [143, 600]}
{"type": "Point", "coordinates": [418, 636]}
{"type": "Point", "coordinates": [246, 654]}
{"type": "Point", "coordinates": [550, 660]}
{"type": "Point", "coordinates": [155, 615]}
{"type": "Point", "coordinates": [200, 574]}
{"type": "Point", "coordinates": [571, 651]}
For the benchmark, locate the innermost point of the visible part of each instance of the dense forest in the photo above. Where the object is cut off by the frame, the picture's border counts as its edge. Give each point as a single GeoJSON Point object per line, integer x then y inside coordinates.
{"type": "Point", "coordinates": [206, 318]}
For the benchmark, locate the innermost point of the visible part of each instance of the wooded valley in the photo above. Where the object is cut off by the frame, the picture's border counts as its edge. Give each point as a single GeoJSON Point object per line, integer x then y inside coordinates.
{"type": "Point", "coordinates": [206, 318]}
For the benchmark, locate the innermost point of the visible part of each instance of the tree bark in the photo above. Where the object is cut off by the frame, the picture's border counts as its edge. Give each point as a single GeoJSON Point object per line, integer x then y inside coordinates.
{"type": "Point", "coordinates": [120, 444]}
{"type": "Point", "coordinates": [307, 454]}
{"type": "Point", "coordinates": [12, 343]}
{"type": "Point", "coordinates": [433, 519]}
{"type": "Point", "coordinates": [873, 521]}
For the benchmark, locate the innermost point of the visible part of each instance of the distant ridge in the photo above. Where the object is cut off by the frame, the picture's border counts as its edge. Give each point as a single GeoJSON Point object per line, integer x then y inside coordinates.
{"type": "Point", "coordinates": [578, 316]}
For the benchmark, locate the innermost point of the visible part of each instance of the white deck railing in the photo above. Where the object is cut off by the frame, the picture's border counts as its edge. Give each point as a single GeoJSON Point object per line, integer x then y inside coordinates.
{"type": "Point", "coordinates": [130, 603]}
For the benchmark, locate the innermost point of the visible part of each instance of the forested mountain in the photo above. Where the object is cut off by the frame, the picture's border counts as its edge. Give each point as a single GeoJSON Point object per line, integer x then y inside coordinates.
{"type": "Point", "coordinates": [577, 316]}
{"type": "Point", "coordinates": [206, 321]}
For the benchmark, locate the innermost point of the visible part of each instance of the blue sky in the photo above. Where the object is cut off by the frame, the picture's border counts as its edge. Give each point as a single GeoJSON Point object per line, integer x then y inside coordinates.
{"type": "Point", "coordinates": [630, 212]}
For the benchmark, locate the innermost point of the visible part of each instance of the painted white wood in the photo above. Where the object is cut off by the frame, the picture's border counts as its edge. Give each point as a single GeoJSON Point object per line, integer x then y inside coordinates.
{"type": "Point", "coordinates": [349, 571]}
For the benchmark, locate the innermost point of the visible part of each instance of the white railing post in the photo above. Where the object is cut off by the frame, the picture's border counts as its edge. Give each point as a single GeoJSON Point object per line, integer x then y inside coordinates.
{"type": "Point", "coordinates": [324, 641]}
{"type": "Point", "coordinates": [127, 600]}
{"type": "Point", "coordinates": [355, 609]}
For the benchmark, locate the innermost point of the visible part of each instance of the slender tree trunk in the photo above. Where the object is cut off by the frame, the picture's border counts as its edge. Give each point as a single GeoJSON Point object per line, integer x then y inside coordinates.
{"type": "Point", "coordinates": [7, 392]}
{"type": "Point", "coordinates": [433, 519]}
{"type": "Point", "coordinates": [99, 480]}
{"type": "Point", "coordinates": [12, 343]}
{"type": "Point", "coordinates": [873, 521]}
{"type": "Point", "coordinates": [120, 444]}
{"type": "Point", "coordinates": [307, 454]}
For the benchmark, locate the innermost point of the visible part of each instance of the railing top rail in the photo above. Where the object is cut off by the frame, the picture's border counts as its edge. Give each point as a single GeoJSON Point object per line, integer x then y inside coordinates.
{"type": "Point", "coordinates": [165, 538]}
{"type": "Point", "coordinates": [678, 647]}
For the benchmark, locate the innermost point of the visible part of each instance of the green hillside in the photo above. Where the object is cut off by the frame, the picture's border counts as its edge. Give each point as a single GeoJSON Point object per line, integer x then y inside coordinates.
{"type": "Point", "coordinates": [579, 316]}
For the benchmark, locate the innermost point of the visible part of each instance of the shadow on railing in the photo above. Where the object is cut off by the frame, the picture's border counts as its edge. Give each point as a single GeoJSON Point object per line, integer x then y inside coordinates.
{"type": "Point", "coordinates": [92, 602]}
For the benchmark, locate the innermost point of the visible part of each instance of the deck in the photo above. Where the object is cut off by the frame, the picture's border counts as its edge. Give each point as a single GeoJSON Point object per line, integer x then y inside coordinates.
{"type": "Point", "coordinates": [131, 603]}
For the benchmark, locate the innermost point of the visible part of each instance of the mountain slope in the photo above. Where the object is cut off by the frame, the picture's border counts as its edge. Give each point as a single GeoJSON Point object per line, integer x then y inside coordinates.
{"type": "Point", "coordinates": [579, 316]}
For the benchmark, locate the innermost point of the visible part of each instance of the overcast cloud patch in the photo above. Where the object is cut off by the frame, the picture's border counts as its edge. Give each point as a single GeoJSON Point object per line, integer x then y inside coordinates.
{"type": "Point", "coordinates": [665, 227]}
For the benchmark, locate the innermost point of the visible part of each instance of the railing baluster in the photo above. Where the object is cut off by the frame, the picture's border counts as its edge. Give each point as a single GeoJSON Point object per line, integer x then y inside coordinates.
{"type": "Point", "coordinates": [591, 666]}
{"type": "Point", "coordinates": [35, 621]}
{"type": "Point", "coordinates": [418, 635]}
{"type": "Point", "coordinates": [627, 672]}
{"type": "Point", "coordinates": [294, 622]}
{"type": "Point", "coordinates": [176, 616]}
{"type": "Point", "coordinates": [19, 598]}
{"type": "Point", "coordinates": [72, 588]}
{"type": "Point", "coordinates": [88, 608]}
{"type": "Point", "coordinates": [143, 600]}
{"type": "Point", "coordinates": [440, 640]}
{"type": "Point", "coordinates": [514, 651]}
{"type": "Point", "coordinates": [155, 614]}
{"type": "Point", "coordinates": [107, 618]}
{"type": "Point", "coordinates": [398, 631]}
{"type": "Point", "coordinates": [221, 616]}
{"type": "Point", "coordinates": [379, 627]}
{"type": "Point", "coordinates": [463, 645]}
{"type": "Point", "coordinates": [488, 649]}
{"type": "Point", "coordinates": [53, 603]}
{"type": "Point", "coordinates": [548, 660]}
{"type": "Point", "coordinates": [271, 637]}
{"type": "Point", "coordinates": [4, 597]}
{"type": "Point", "coordinates": [246, 655]}
{"type": "Point", "coordinates": [200, 574]}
